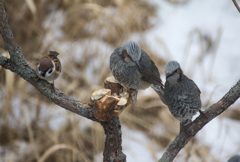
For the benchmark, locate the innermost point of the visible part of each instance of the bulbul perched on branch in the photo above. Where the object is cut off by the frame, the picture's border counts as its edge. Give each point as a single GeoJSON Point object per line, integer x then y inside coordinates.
{"type": "Point", "coordinates": [181, 94]}
{"type": "Point", "coordinates": [133, 68]}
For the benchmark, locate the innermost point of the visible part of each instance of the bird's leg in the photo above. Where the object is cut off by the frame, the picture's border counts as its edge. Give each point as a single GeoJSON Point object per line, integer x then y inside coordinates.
{"type": "Point", "coordinates": [182, 128]}
{"type": "Point", "coordinates": [183, 125]}
{"type": "Point", "coordinates": [52, 87]}
{"type": "Point", "coordinates": [201, 112]}
{"type": "Point", "coordinates": [133, 95]}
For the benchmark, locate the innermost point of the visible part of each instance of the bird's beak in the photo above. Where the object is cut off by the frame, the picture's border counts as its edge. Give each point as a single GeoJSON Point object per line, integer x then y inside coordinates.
{"type": "Point", "coordinates": [42, 73]}
{"type": "Point", "coordinates": [168, 75]}
{"type": "Point", "coordinates": [137, 63]}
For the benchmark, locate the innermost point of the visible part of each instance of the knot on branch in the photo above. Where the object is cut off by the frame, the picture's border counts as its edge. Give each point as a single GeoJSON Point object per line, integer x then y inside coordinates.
{"type": "Point", "coordinates": [110, 101]}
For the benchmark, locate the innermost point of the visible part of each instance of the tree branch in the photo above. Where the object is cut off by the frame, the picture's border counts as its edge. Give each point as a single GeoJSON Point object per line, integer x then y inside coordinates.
{"type": "Point", "coordinates": [112, 128]}
{"type": "Point", "coordinates": [213, 111]}
{"type": "Point", "coordinates": [19, 65]}
{"type": "Point", "coordinates": [113, 141]}
{"type": "Point", "coordinates": [236, 5]}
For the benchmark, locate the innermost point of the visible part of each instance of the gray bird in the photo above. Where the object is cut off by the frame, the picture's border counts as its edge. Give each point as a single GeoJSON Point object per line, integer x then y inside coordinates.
{"type": "Point", "coordinates": [235, 158]}
{"type": "Point", "coordinates": [134, 69]}
{"type": "Point", "coordinates": [182, 96]}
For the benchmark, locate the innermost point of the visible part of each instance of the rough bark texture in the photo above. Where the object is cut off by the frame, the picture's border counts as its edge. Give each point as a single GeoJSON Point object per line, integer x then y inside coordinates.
{"type": "Point", "coordinates": [113, 143]}
{"type": "Point", "coordinates": [19, 65]}
{"type": "Point", "coordinates": [113, 148]}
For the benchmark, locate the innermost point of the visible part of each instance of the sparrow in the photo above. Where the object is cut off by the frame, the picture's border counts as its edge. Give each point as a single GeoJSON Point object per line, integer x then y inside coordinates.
{"type": "Point", "coordinates": [49, 67]}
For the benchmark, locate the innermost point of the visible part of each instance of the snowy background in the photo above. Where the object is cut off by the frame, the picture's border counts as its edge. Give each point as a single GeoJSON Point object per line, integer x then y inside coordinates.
{"type": "Point", "coordinates": [185, 31]}
{"type": "Point", "coordinates": [203, 36]}
{"type": "Point", "coordinates": [214, 75]}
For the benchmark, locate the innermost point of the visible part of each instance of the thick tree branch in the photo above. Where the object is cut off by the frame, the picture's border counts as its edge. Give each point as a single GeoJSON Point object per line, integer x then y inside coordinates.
{"type": "Point", "coordinates": [19, 65]}
{"type": "Point", "coordinates": [213, 111]}
{"type": "Point", "coordinates": [112, 128]}
{"type": "Point", "coordinates": [113, 141]}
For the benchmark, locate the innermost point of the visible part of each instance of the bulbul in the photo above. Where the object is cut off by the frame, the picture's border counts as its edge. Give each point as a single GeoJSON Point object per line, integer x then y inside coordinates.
{"type": "Point", "coordinates": [134, 69]}
{"type": "Point", "coordinates": [182, 95]}
{"type": "Point", "coordinates": [49, 67]}
{"type": "Point", "coordinates": [235, 158]}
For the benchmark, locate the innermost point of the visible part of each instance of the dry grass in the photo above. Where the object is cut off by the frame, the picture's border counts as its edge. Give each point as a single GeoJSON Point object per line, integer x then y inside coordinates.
{"type": "Point", "coordinates": [34, 129]}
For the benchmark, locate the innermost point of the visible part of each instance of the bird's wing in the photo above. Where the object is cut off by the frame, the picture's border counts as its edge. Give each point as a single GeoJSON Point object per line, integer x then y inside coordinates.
{"type": "Point", "coordinates": [53, 55]}
{"type": "Point", "coordinates": [57, 64]}
{"type": "Point", "coordinates": [148, 70]}
{"type": "Point", "coordinates": [195, 86]}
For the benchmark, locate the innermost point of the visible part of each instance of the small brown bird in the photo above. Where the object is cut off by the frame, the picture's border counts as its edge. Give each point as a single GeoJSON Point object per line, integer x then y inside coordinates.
{"type": "Point", "coordinates": [49, 67]}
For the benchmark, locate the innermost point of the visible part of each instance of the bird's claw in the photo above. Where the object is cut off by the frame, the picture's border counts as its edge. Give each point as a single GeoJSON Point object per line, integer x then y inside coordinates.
{"type": "Point", "coordinates": [201, 112]}
{"type": "Point", "coordinates": [133, 95]}
{"type": "Point", "coordinates": [52, 87]}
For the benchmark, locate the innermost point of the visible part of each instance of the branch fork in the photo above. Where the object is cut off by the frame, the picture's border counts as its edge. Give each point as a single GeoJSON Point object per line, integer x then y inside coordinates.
{"type": "Point", "coordinates": [107, 104]}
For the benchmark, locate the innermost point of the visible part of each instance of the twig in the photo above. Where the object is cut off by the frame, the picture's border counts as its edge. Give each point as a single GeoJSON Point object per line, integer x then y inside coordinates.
{"type": "Point", "coordinates": [235, 3]}
{"type": "Point", "coordinates": [112, 128]}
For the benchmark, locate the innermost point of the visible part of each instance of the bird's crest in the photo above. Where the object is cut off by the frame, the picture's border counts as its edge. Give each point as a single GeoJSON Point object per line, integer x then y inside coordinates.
{"type": "Point", "coordinates": [171, 67]}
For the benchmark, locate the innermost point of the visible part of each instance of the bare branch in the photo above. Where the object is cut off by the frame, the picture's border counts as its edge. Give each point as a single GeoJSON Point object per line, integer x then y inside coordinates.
{"type": "Point", "coordinates": [213, 111]}
{"type": "Point", "coordinates": [19, 65]}
{"type": "Point", "coordinates": [235, 3]}
{"type": "Point", "coordinates": [6, 31]}
{"type": "Point", "coordinates": [112, 128]}
{"type": "Point", "coordinates": [113, 141]}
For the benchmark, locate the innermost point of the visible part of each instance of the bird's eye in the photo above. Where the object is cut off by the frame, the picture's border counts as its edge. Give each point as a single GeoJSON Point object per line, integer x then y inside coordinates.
{"type": "Point", "coordinates": [50, 71]}
{"type": "Point", "coordinates": [124, 54]}
{"type": "Point", "coordinates": [175, 71]}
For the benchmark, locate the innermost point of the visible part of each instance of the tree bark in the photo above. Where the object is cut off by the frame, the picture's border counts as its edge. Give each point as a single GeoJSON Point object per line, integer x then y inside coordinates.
{"type": "Point", "coordinates": [213, 111]}
{"type": "Point", "coordinates": [236, 5]}
{"type": "Point", "coordinates": [19, 65]}
{"type": "Point", "coordinates": [113, 144]}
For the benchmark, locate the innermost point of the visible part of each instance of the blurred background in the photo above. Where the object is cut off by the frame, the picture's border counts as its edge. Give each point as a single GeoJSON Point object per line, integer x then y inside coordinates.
{"type": "Point", "coordinates": [203, 36]}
